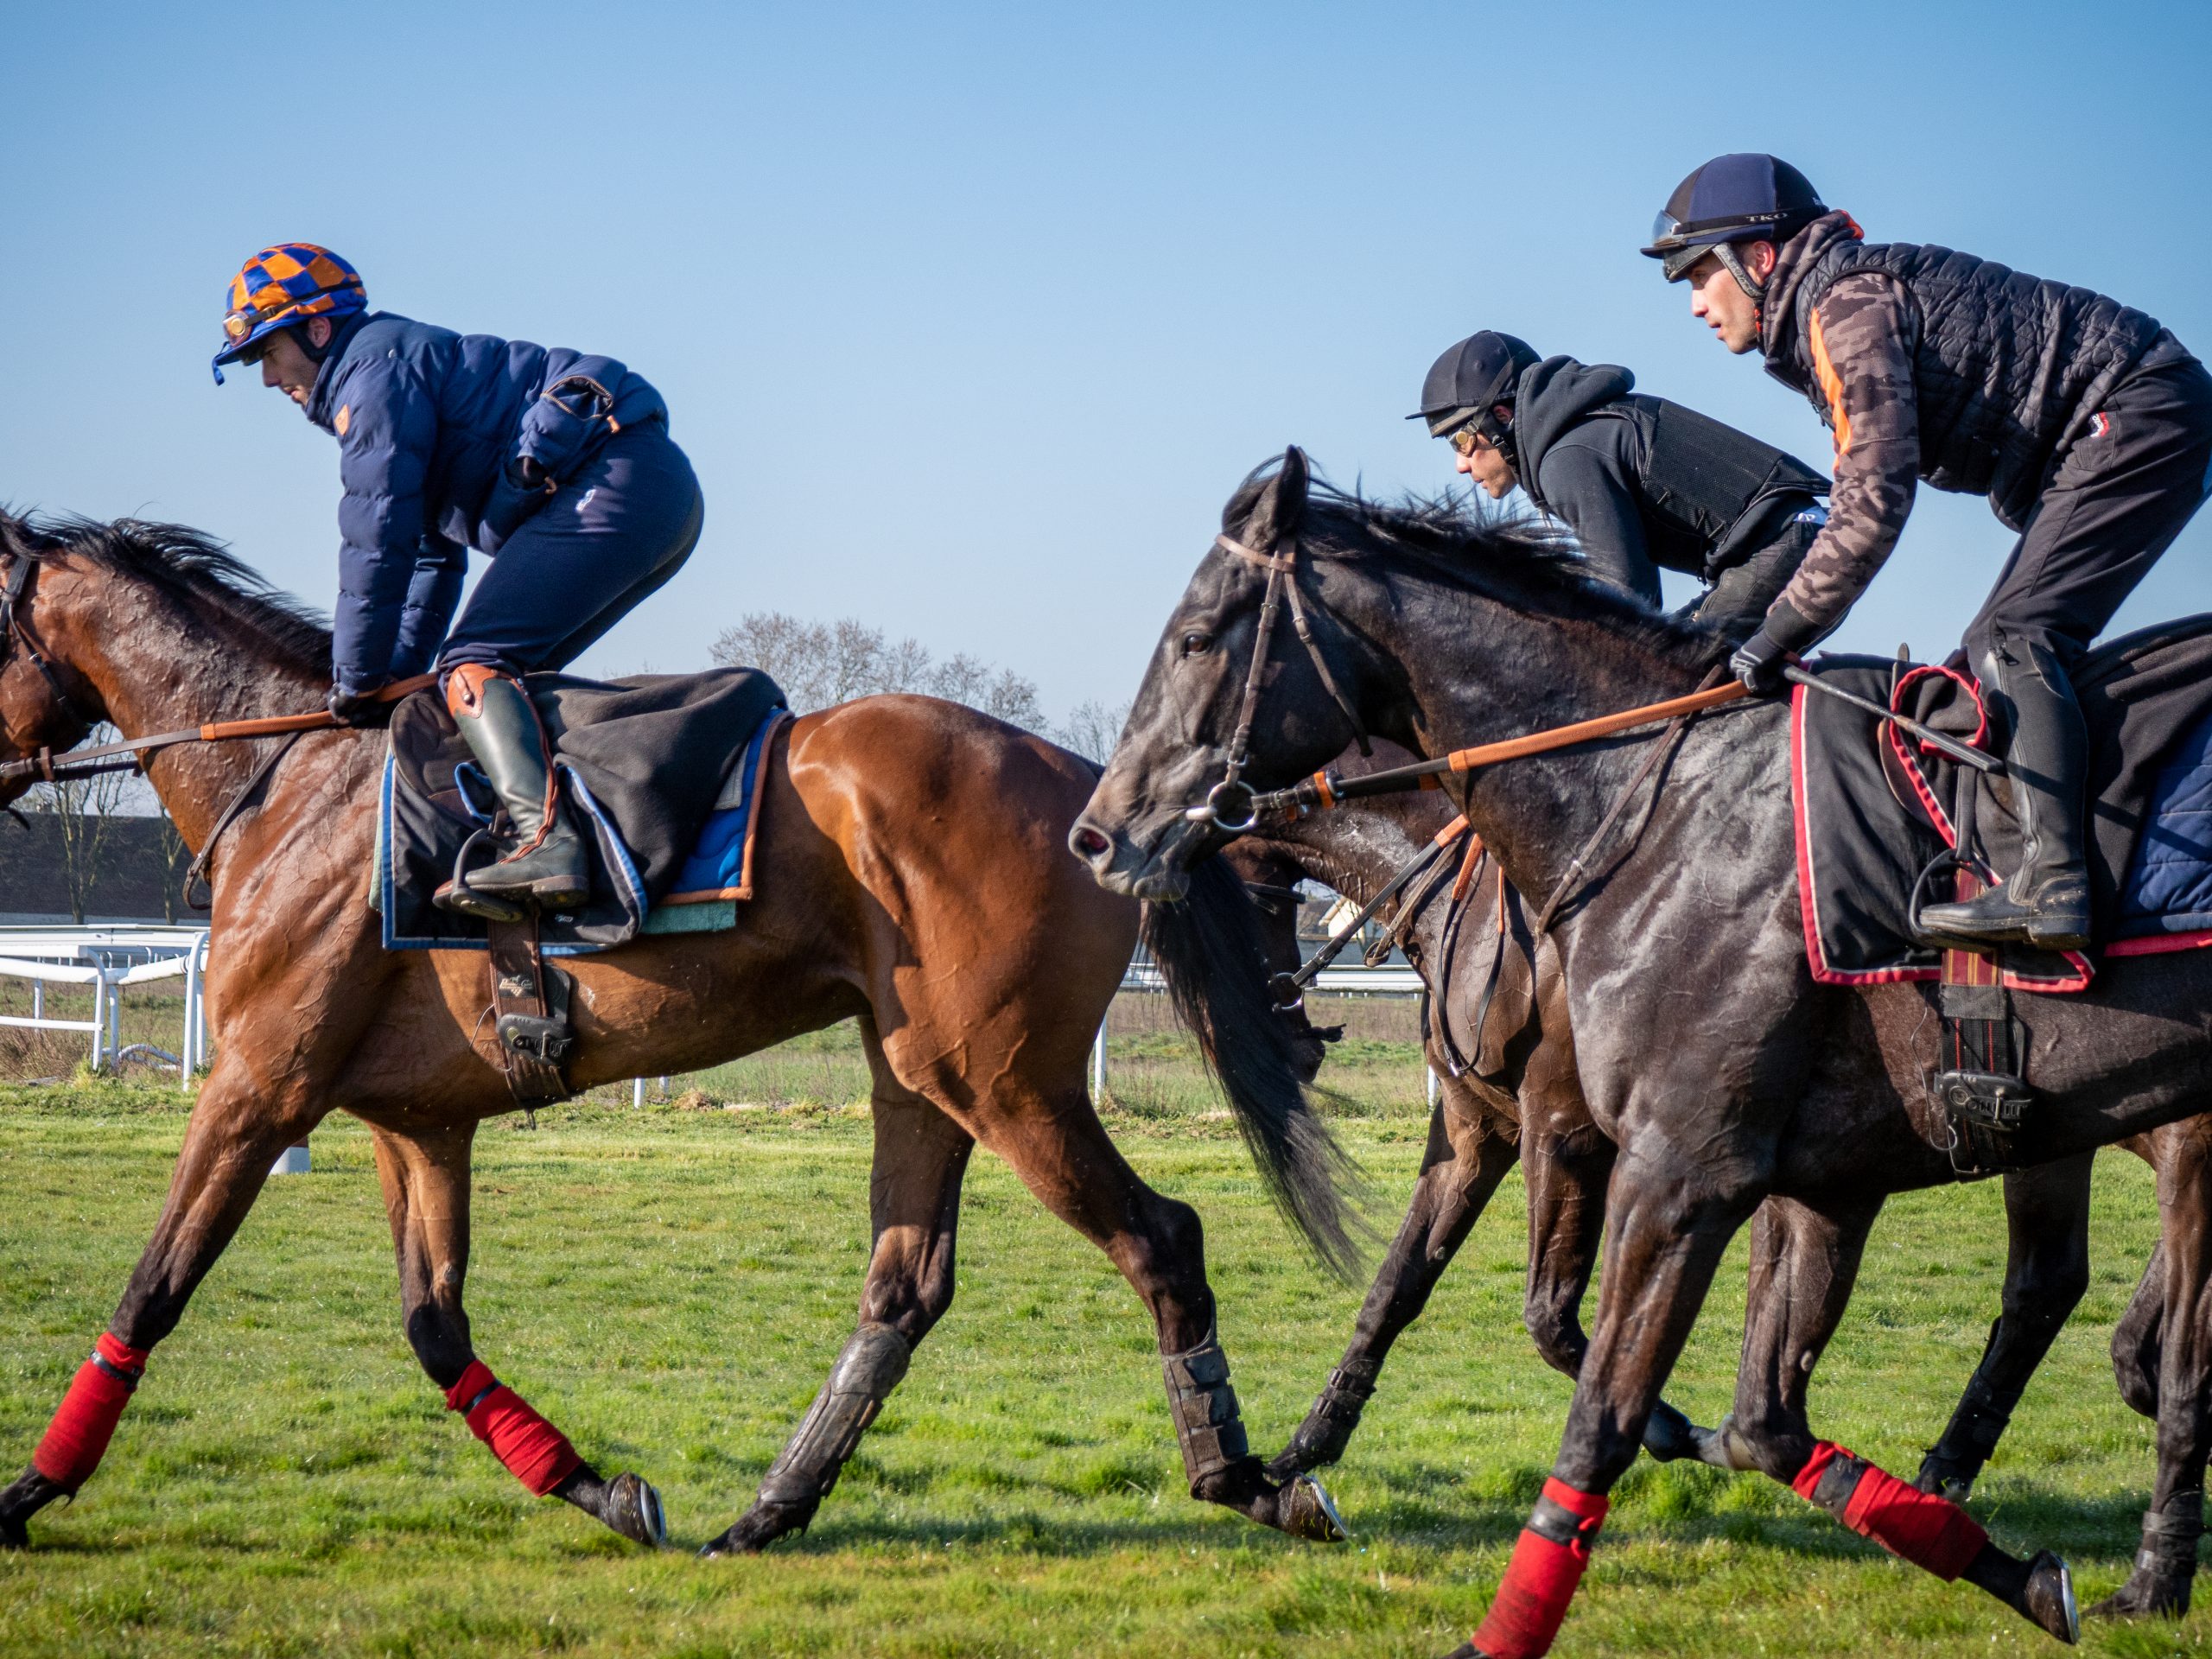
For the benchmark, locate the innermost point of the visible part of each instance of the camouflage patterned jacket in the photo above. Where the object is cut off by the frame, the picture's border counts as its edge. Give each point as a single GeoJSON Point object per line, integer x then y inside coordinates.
{"type": "Point", "coordinates": [1927, 364]}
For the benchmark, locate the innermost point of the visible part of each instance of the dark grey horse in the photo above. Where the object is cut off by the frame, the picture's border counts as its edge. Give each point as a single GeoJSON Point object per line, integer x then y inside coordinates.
{"type": "Point", "coordinates": [1803, 1104]}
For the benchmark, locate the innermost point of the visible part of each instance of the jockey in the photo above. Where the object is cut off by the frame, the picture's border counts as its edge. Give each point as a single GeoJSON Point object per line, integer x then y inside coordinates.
{"type": "Point", "coordinates": [1645, 484]}
{"type": "Point", "coordinates": [2088, 426]}
{"type": "Point", "coordinates": [557, 462]}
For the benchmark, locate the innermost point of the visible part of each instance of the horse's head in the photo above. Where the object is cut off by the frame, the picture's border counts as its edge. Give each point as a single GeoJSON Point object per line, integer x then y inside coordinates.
{"type": "Point", "coordinates": [45, 704]}
{"type": "Point", "coordinates": [1215, 685]}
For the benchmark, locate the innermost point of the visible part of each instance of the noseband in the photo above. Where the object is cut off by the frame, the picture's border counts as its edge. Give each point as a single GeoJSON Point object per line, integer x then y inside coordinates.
{"type": "Point", "coordinates": [1230, 804]}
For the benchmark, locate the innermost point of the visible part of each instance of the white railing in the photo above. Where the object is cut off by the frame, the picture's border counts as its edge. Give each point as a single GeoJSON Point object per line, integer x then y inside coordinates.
{"type": "Point", "coordinates": [108, 959]}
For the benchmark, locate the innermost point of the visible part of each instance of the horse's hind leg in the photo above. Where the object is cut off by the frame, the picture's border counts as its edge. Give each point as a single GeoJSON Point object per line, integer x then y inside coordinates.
{"type": "Point", "coordinates": [1466, 1157]}
{"type": "Point", "coordinates": [2046, 1275]}
{"type": "Point", "coordinates": [2165, 1566]}
{"type": "Point", "coordinates": [1803, 1263]}
{"type": "Point", "coordinates": [236, 1134]}
{"type": "Point", "coordinates": [425, 1175]}
{"type": "Point", "coordinates": [921, 1156]}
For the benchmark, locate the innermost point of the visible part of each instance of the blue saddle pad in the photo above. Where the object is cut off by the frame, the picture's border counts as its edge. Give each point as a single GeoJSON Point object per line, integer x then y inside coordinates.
{"type": "Point", "coordinates": [2166, 900]}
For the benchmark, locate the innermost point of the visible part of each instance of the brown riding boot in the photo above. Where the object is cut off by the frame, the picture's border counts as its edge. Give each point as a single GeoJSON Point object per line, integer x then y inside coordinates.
{"type": "Point", "coordinates": [548, 867]}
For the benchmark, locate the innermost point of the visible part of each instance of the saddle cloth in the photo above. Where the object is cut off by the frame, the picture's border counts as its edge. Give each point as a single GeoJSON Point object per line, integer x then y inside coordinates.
{"type": "Point", "coordinates": [661, 770]}
{"type": "Point", "coordinates": [1873, 808]}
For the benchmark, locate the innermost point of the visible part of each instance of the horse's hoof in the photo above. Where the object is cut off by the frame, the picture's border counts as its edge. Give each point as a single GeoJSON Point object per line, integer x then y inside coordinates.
{"type": "Point", "coordinates": [1308, 1512]}
{"type": "Point", "coordinates": [2146, 1595]}
{"type": "Point", "coordinates": [14, 1535]}
{"type": "Point", "coordinates": [1669, 1435]}
{"type": "Point", "coordinates": [633, 1508]}
{"type": "Point", "coordinates": [760, 1527]}
{"type": "Point", "coordinates": [2047, 1600]}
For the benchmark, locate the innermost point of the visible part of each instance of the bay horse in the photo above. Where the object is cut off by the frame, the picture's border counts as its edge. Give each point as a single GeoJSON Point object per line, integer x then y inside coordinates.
{"type": "Point", "coordinates": [913, 876]}
{"type": "Point", "coordinates": [1770, 1095]}
{"type": "Point", "coordinates": [1519, 1097]}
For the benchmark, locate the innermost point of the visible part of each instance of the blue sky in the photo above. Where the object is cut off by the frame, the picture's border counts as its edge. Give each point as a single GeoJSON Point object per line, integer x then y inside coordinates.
{"type": "Point", "coordinates": [972, 316]}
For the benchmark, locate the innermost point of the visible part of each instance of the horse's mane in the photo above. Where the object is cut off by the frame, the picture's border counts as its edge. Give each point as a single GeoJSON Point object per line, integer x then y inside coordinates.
{"type": "Point", "coordinates": [1526, 563]}
{"type": "Point", "coordinates": [188, 567]}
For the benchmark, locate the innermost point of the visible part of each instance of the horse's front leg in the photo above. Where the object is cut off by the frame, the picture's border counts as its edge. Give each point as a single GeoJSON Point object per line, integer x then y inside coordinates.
{"type": "Point", "coordinates": [1804, 1262]}
{"type": "Point", "coordinates": [237, 1131]}
{"type": "Point", "coordinates": [425, 1175]}
{"type": "Point", "coordinates": [1470, 1149]}
{"type": "Point", "coordinates": [2046, 1275]}
{"type": "Point", "coordinates": [1667, 1228]}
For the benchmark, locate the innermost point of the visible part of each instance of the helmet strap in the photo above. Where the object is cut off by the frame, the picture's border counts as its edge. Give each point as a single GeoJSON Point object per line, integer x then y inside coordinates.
{"type": "Point", "coordinates": [1733, 262]}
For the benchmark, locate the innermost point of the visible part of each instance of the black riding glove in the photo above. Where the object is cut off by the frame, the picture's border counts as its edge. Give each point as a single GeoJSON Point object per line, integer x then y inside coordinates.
{"type": "Point", "coordinates": [1759, 663]}
{"type": "Point", "coordinates": [358, 708]}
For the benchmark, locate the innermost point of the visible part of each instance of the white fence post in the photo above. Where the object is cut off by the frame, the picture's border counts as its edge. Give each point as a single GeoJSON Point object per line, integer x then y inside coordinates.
{"type": "Point", "coordinates": [637, 1094]}
{"type": "Point", "coordinates": [1436, 1087]}
{"type": "Point", "coordinates": [1098, 1065]}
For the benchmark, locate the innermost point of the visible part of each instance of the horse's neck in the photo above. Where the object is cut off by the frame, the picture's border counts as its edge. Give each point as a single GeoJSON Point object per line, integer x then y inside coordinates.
{"type": "Point", "coordinates": [156, 674]}
{"type": "Point", "coordinates": [1476, 671]}
{"type": "Point", "coordinates": [1357, 850]}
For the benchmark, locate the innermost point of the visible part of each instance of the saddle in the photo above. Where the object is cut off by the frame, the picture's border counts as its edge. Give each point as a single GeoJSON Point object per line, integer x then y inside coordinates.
{"type": "Point", "coordinates": [665, 771]}
{"type": "Point", "coordinates": [1885, 825]}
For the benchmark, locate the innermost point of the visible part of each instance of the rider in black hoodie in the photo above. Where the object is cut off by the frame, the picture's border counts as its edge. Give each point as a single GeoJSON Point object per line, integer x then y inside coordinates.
{"type": "Point", "coordinates": [1644, 484]}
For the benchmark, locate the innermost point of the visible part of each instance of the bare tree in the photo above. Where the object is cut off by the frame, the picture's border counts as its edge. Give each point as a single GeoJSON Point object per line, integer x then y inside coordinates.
{"type": "Point", "coordinates": [83, 809]}
{"type": "Point", "coordinates": [819, 664]}
{"type": "Point", "coordinates": [1093, 729]}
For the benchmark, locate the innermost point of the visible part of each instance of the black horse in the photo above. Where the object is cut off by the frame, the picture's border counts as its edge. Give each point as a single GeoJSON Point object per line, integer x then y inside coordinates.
{"type": "Point", "coordinates": [1803, 1104]}
{"type": "Point", "coordinates": [1499, 1041]}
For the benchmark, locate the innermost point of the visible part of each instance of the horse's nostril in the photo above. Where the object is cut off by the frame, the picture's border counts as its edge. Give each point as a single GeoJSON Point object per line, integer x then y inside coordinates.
{"type": "Point", "coordinates": [1090, 844]}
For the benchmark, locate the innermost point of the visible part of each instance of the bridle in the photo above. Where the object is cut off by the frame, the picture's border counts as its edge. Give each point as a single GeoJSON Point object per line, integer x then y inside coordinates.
{"type": "Point", "coordinates": [1231, 805]}
{"type": "Point", "coordinates": [17, 634]}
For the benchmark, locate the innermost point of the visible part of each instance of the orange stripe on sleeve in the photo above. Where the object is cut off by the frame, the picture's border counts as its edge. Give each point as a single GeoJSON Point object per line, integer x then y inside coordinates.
{"type": "Point", "coordinates": [1832, 385]}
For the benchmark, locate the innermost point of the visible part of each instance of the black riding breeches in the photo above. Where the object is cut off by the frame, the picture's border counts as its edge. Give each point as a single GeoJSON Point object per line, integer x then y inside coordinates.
{"type": "Point", "coordinates": [2123, 491]}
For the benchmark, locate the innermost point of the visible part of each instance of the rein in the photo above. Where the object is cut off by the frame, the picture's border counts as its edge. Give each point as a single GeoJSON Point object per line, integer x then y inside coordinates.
{"type": "Point", "coordinates": [1290, 989]}
{"type": "Point", "coordinates": [1324, 789]}
{"type": "Point", "coordinates": [110, 757]}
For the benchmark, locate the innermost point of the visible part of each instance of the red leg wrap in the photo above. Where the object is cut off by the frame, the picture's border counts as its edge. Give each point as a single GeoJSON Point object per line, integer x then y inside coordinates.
{"type": "Point", "coordinates": [1929, 1531]}
{"type": "Point", "coordinates": [77, 1438]}
{"type": "Point", "coordinates": [535, 1454]}
{"type": "Point", "coordinates": [1540, 1579]}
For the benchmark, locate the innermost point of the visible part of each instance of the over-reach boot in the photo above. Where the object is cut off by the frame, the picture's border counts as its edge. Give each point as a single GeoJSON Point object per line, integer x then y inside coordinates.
{"type": "Point", "coordinates": [2046, 904]}
{"type": "Point", "coordinates": [548, 866]}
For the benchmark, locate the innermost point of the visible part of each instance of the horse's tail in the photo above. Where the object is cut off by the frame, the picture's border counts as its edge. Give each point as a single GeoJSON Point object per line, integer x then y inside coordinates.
{"type": "Point", "coordinates": [1208, 949]}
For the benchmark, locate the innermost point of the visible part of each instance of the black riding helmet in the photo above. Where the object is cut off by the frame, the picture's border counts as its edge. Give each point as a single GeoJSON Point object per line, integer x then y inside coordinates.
{"type": "Point", "coordinates": [1747, 198]}
{"type": "Point", "coordinates": [1467, 385]}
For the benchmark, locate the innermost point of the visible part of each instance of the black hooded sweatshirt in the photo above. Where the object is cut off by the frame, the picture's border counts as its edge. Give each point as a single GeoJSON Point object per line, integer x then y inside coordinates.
{"type": "Point", "coordinates": [1644, 484]}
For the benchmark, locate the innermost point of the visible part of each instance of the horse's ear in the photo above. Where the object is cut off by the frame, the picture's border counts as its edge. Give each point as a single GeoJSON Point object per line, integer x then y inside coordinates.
{"type": "Point", "coordinates": [1280, 508]}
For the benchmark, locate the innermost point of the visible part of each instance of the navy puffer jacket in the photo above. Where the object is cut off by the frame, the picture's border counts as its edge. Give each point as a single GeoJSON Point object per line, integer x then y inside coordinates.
{"type": "Point", "coordinates": [433, 431]}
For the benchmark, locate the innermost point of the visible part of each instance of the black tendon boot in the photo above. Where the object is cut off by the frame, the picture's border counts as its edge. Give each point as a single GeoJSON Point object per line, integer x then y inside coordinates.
{"type": "Point", "coordinates": [548, 867]}
{"type": "Point", "coordinates": [2046, 904]}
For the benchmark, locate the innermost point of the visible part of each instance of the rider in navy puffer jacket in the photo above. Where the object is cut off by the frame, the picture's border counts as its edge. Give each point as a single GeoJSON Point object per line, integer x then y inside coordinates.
{"type": "Point", "coordinates": [436, 432]}
{"type": "Point", "coordinates": [560, 464]}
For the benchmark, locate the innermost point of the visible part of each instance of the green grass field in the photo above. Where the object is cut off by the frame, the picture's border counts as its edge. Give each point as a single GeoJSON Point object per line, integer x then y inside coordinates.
{"type": "Point", "coordinates": [670, 1286]}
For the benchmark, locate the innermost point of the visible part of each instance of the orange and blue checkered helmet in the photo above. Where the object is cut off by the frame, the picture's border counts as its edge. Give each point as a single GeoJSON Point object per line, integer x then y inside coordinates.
{"type": "Point", "coordinates": [282, 287]}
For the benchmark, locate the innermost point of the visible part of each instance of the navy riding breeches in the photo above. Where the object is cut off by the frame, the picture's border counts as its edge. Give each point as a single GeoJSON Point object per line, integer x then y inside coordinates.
{"type": "Point", "coordinates": [594, 551]}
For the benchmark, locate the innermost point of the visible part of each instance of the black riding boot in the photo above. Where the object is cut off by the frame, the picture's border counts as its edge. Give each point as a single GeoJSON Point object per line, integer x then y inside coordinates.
{"type": "Point", "coordinates": [2046, 904]}
{"type": "Point", "coordinates": [548, 866]}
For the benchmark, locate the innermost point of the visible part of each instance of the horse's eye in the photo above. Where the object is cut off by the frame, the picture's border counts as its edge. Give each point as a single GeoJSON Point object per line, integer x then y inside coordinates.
{"type": "Point", "coordinates": [1195, 644]}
